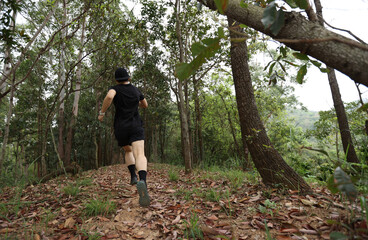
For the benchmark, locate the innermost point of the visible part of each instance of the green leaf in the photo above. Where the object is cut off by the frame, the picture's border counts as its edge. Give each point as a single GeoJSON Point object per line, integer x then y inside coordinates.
{"type": "Point", "coordinates": [278, 23]}
{"type": "Point", "coordinates": [338, 236]}
{"type": "Point", "coordinates": [303, 4]}
{"type": "Point", "coordinates": [243, 25]}
{"type": "Point", "coordinates": [221, 33]}
{"type": "Point", "coordinates": [331, 185]}
{"type": "Point", "coordinates": [243, 4]}
{"type": "Point", "coordinates": [202, 53]}
{"type": "Point", "coordinates": [301, 73]}
{"type": "Point", "coordinates": [344, 184]}
{"type": "Point", "coordinates": [283, 51]}
{"type": "Point", "coordinates": [221, 5]}
{"type": "Point", "coordinates": [183, 70]}
{"type": "Point", "coordinates": [271, 68]}
{"type": "Point", "coordinates": [197, 48]}
{"type": "Point", "coordinates": [300, 56]}
{"type": "Point", "coordinates": [269, 15]}
{"type": "Point", "coordinates": [282, 66]}
{"type": "Point", "coordinates": [291, 3]}
{"type": "Point", "coordinates": [324, 70]}
{"type": "Point", "coordinates": [363, 108]}
{"type": "Point", "coordinates": [292, 64]}
{"type": "Point", "coordinates": [316, 63]}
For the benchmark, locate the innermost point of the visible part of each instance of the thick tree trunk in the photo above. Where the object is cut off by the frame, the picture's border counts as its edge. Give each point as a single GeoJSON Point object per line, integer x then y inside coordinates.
{"type": "Point", "coordinates": [342, 119]}
{"type": "Point", "coordinates": [73, 120]}
{"type": "Point", "coordinates": [271, 166]}
{"type": "Point", "coordinates": [185, 137]}
{"type": "Point", "coordinates": [336, 51]}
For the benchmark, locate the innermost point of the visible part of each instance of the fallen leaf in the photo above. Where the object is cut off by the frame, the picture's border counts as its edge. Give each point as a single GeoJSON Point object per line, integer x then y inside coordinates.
{"type": "Point", "coordinates": [69, 223]}
{"type": "Point", "coordinates": [307, 202]}
{"type": "Point", "coordinates": [7, 230]}
{"type": "Point", "coordinates": [208, 230]}
{"type": "Point", "coordinates": [212, 217]}
{"type": "Point", "coordinates": [176, 220]}
{"type": "Point", "coordinates": [37, 237]}
{"type": "Point", "coordinates": [307, 231]}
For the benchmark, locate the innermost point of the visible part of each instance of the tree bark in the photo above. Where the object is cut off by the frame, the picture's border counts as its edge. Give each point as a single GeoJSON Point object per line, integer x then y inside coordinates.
{"type": "Point", "coordinates": [336, 51]}
{"type": "Point", "coordinates": [198, 143]}
{"type": "Point", "coordinates": [342, 119]}
{"type": "Point", "coordinates": [271, 166]}
{"type": "Point", "coordinates": [7, 126]}
{"type": "Point", "coordinates": [181, 101]}
{"type": "Point", "coordinates": [73, 120]}
{"type": "Point", "coordinates": [62, 81]}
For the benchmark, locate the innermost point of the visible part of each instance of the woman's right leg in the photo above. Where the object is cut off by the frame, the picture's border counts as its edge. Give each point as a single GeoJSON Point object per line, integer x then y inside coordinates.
{"type": "Point", "coordinates": [141, 165]}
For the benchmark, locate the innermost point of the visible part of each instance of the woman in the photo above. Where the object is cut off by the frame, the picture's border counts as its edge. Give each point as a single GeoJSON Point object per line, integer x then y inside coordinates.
{"type": "Point", "coordinates": [128, 127]}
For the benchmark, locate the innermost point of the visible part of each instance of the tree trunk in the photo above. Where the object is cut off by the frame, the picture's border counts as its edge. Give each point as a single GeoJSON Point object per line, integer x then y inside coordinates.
{"type": "Point", "coordinates": [7, 126]}
{"type": "Point", "coordinates": [336, 51]}
{"type": "Point", "coordinates": [62, 82]}
{"type": "Point", "coordinates": [198, 143]}
{"type": "Point", "coordinates": [342, 119]}
{"type": "Point", "coordinates": [271, 166]}
{"type": "Point", "coordinates": [69, 139]}
{"type": "Point", "coordinates": [181, 101]}
{"type": "Point", "coordinates": [232, 129]}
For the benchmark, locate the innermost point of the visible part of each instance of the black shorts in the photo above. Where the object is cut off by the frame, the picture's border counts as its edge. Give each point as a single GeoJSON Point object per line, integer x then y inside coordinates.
{"type": "Point", "coordinates": [127, 136]}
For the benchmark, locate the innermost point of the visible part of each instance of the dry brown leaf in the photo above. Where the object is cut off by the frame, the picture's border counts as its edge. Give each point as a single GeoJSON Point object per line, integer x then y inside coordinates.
{"type": "Point", "coordinates": [36, 237]}
{"type": "Point", "coordinates": [307, 202]}
{"type": "Point", "coordinates": [308, 231]}
{"type": "Point", "coordinates": [7, 230]}
{"type": "Point", "coordinates": [212, 217]}
{"type": "Point", "coordinates": [176, 220]}
{"type": "Point", "coordinates": [208, 230]}
{"type": "Point", "coordinates": [69, 223]}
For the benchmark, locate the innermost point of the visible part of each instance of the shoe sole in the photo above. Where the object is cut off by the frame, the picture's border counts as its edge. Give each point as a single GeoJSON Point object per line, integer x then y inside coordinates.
{"type": "Point", "coordinates": [144, 199]}
{"type": "Point", "coordinates": [134, 182]}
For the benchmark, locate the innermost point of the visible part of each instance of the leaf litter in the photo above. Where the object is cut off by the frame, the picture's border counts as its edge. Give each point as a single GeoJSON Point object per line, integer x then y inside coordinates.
{"type": "Point", "coordinates": [195, 206]}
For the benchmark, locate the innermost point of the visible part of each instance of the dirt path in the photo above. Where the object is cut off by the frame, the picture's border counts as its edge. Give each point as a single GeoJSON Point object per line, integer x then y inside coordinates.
{"type": "Point", "coordinates": [205, 205]}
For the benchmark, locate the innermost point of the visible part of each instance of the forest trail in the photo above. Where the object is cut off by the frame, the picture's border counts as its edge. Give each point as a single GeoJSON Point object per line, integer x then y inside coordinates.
{"type": "Point", "coordinates": [217, 205]}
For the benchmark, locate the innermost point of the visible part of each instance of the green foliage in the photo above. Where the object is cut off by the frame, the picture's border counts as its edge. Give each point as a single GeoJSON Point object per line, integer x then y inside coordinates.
{"type": "Point", "coordinates": [71, 190]}
{"type": "Point", "coordinates": [221, 5]}
{"type": "Point", "coordinates": [273, 18]}
{"type": "Point", "coordinates": [99, 207]}
{"type": "Point", "coordinates": [201, 52]}
{"type": "Point", "coordinates": [173, 175]}
{"type": "Point", "coordinates": [344, 184]}
{"type": "Point", "coordinates": [192, 227]}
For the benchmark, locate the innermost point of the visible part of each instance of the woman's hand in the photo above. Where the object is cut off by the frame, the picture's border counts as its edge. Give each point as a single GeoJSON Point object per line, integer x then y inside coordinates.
{"type": "Point", "coordinates": [100, 118]}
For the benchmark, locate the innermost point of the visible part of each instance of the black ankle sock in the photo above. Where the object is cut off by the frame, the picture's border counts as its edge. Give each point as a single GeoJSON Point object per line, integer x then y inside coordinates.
{"type": "Point", "coordinates": [132, 170]}
{"type": "Point", "coordinates": [142, 176]}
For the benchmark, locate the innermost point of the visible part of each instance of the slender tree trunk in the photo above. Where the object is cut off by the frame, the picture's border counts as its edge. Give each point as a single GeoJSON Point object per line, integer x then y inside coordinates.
{"type": "Point", "coordinates": [7, 126]}
{"type": "Point", "coordinates": [342, 119]}
{"type": "Point", "coordinates": [232, 129]}
{"type": "Point", "coordinates": [62, 81]}
{"type": "Point", "coordinates": [185, 137]}
{"type": "Point", "coordinates": [73, 120]}
{"type": "Point", "coordinates": [271, 166]}
{"type": "Point", "coordinates": [198, 143]}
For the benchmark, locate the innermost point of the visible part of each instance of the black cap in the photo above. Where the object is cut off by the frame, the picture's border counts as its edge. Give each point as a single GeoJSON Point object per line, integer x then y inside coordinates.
{"type": "Point", "coordinates": [121, 75]}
